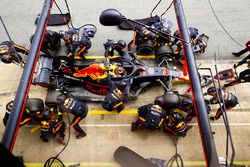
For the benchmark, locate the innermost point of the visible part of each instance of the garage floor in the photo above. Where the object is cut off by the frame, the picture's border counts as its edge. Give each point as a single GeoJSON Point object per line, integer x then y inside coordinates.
{"type": "Point", "coordinates": [107, 131]}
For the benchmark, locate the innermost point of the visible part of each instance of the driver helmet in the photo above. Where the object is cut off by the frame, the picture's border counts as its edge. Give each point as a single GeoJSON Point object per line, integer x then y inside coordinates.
{"type": "Point", "coordinates": [119, 70]}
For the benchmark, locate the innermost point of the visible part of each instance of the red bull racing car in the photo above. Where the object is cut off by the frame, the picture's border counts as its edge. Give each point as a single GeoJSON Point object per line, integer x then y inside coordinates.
{"type": "Point", "coordinates": [90, 80]}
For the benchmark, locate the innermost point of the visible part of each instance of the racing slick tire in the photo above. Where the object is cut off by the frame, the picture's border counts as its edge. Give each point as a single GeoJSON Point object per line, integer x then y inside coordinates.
{"type": "Point", "coordinates": [145, 48]}
{"type": "Point", "coordinates": [164, 52]}
{"type": "Point", "coordinates": [35, 105]}
{"type": "Point", "coordinates": [171, 99]}
{"type": "Point", "coordinates": [51, 96]}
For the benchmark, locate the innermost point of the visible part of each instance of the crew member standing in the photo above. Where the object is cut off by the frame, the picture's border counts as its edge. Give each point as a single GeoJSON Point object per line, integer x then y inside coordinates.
{"type": "Point", "coordinates": [69, 103]}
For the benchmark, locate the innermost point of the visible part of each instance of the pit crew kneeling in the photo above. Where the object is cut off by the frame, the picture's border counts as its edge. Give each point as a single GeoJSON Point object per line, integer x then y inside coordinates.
{"type": "Point", "coordinates": [50, 127]}
{"type": "Point", "coordinates": [149, 116]}
{"type": "Point", "coordinates": [175, 124]}
{"type": "Point", "coordinates": [154, 117]}
{"type": "Point", "coordinates": [114, 99]}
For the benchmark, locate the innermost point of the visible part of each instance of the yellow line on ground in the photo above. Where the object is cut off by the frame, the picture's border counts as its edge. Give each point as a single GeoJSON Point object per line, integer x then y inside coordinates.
{"type": "Point", "coordinates": [114, 164]}
{"type": "Point", "coordinates": [104, 164]}
{"type": "Point", "coordinates": [203, 163]}
{"type": "Point", "coordinates": [242, 163]}
{"type": "Point", "coordinates": [116, 56]}
{"type": "Point", "coordinates": [85, 164]}
{"type": "Point", "coordinates": [35, 129]}
{"type": "Point", "coordinates": [194, 163]}
{"type": "Point", "coordinates": [99, 112]}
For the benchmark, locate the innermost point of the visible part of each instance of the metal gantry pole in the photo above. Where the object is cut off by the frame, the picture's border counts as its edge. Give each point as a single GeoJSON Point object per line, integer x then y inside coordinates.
{"type": "Point", "coordinates": [12, 127]}
{"type": "Point", "coordinates": [209, 148]}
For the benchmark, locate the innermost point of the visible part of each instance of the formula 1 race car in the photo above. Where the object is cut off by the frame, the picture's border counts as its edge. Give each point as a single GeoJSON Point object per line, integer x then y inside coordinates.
{"type": "Point", "coordinates": [81, 75]}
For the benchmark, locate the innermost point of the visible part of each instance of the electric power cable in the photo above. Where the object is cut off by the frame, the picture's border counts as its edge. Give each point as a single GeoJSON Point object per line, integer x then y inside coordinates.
{"type": "Point", "coordinates": [176, 157]}
{"type": "Point", "coordinates": [151, 13]}
{"type": "Point", "coordinates": [167, 9]}
{"type": "Point", "coordinates": [224, 29]}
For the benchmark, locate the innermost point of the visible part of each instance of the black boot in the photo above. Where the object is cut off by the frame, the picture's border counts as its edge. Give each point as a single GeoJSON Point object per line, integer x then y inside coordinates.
{"type": "Point", "coordinates": [120, 108]}
{"type": "Point", "coordinates": [133, 126]}
{"type": "Point", "coordinates": [60, 139]}
{"type": "Point", "coordinates": [80, 135]}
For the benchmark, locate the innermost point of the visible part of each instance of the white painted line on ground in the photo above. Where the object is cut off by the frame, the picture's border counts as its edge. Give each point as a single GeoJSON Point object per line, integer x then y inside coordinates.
{"type": "Point", "coordinates": [222, 124]}
{"type": "Point", "coordinates": [127, 125]}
